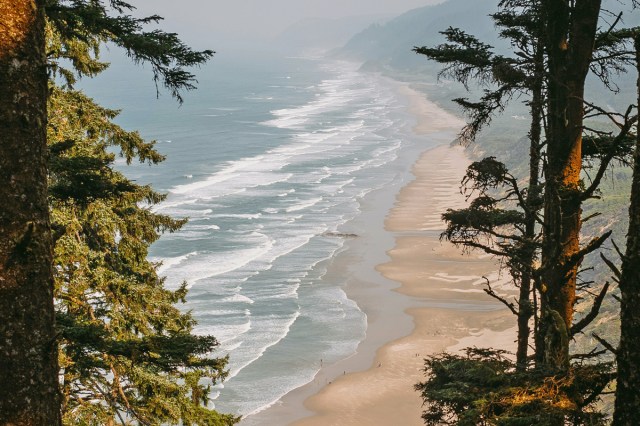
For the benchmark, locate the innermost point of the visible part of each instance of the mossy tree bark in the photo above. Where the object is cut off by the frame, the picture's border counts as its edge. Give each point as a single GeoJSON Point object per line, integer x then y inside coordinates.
{"type": "Point", "coordinates": [570, 29]}
{"type": "Point", "coordinates": [627, 404]}
{"type": "Point", "coordinates": [28, 352]}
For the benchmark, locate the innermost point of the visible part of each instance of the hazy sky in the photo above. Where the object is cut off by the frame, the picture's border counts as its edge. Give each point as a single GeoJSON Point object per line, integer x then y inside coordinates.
{"type": "Point", "coordinates": [261, 18]}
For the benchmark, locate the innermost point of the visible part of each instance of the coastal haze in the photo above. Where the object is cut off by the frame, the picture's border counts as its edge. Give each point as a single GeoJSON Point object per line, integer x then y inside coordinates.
{"type": "Point", "coordinates": [258, 21]}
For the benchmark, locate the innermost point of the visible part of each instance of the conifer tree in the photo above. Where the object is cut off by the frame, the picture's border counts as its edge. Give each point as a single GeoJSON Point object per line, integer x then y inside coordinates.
{"type": "Point", "coordinates": [567, 45]}
{"type": "Point", "coordinates": [28, 349]}
{"type": "Point", "coordinates": [126, 350]}
{"type": "Point", "coordinates": [127, 354]}
{"type": "Point", "coordinates": [491, 223]}
{"type": "Point", "coordinates": [627, 404]}
{"type": "Point", "coordinates": [572, 46]}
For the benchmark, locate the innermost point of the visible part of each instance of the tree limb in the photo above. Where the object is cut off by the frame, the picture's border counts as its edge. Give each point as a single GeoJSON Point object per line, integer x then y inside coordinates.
{"type": "Point", "coordinates": [595, 310]}
{"type": "Point", "coordinates": [613, 267]}
{"type": "Point", "coordinates": [593, 245]}
{"type": "Point", "coordinates": [606, 344]}
{"type": "Point", "coordinates": [489, 290]}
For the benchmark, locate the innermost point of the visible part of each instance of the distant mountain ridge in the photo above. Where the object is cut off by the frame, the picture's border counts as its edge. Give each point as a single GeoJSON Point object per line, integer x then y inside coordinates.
{"type": "Point", "coordinates": [390, 44]}
{"type": "Point", "coordinates": [323, 34]}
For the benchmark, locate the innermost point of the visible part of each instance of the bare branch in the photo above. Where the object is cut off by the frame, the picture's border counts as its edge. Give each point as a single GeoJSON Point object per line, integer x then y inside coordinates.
{"type": "Point", "coordinates": [591, 216]}
{"type": "Point", "coordinates": [489, 290]}
{"type": "Point", "coordinates": [604, 163]}
{"type": "Point", "coordinates": [593, 245]}
{"type": "Point", "coordinates": [606, 344]}
{"type": "Point", "coordinates": [611, 266]}
{"type": "Point", "coordinates": [595, 310]}
{"type": "Point", "coordinates": [622, 256]}
{"type": "Point", "coordinates": [593, 354]}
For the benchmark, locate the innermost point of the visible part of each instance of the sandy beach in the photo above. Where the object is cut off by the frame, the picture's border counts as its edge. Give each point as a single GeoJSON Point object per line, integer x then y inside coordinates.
{"type": "Point", "coordinates": [422, 297]}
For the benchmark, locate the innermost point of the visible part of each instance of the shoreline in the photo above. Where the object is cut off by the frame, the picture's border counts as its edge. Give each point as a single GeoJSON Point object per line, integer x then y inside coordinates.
{"type": "Point", "coordinates": [411, 288]}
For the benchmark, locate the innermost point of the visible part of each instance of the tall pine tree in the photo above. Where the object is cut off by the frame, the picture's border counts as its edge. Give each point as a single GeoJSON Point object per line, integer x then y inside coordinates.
{"type": "Point", "coordinates": [28, 348]}
{"type": "Point", "coordinates": [628, 353]}
{"type": "Point", "coordinates": [127, 354]}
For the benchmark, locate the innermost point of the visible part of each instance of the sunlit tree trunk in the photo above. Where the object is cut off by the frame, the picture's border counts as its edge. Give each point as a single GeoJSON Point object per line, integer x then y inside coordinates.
{"type": "Point", "coordinates": [570, 28]}
{"type": "Point", "coordinates": [627, 407]}
{"type": "Point", "coordinates": [28, 351]}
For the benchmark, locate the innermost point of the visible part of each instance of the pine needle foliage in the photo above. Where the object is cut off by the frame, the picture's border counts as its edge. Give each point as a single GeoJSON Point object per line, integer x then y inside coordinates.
{"type": "Point", "coordinates": [77, 29]}
{"type": "Point", "coordinates": [482, 387]}
{"type": "Point", "coordinates": [126, 351]}
{"type": "Point", "coordinates": [128, 355]}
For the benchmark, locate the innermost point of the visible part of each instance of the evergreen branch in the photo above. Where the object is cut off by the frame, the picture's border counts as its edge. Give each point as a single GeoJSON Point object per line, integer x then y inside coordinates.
{"type": "Point", "coordinates": [89, 22]}
{"type": "Point", "coordinates": [605, 380]}
{"type": "Point", "coordinates": [483, 247]}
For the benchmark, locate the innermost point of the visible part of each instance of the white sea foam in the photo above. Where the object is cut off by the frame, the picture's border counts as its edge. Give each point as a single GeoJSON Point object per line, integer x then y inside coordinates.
{"type": "Point", "coordinates": [238, 298]}
{"type": "Point", "coordinates": [268, 332]}
{"type": "Point", "coordinates": [194, 268]}
{"type": "Point", "coordinates": [209, 227]}
{"type": "Point", "coordinates": [303, 204]}
{"type": "Point", "coordinates": [170, 262]}
{"type": "Point", "coordinates": [238, 215]}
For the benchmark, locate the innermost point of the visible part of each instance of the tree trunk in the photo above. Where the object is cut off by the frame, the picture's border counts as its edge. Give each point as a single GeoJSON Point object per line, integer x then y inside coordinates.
{"type": "Point", "coordinates": [627, 407]}
{"type": "Point", "coordinates": [28, 352]}
{"type": "Point", "coordinates": [570, 29]}
{"type": "Point", "coordinates": [525, 306]}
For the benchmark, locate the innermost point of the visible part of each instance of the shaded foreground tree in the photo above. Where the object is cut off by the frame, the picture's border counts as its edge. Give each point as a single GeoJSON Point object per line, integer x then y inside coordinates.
{"type": "Point", "coordinates": [572, 45]}
{"type": "Point", "coordinates": [627, 404]}
{"type": "Point", "coordinates": [554, 45]}
{"type": "Point", "coordinates": [127, 353]}
{"type": "Point", "coordinates": [570, 29]}
{"type": "Point", "coordinates": [29, 392]}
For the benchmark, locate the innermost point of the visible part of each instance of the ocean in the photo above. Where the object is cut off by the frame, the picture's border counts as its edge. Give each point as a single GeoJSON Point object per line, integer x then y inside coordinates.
{"type": "Point", "coordinates": [271, 160]}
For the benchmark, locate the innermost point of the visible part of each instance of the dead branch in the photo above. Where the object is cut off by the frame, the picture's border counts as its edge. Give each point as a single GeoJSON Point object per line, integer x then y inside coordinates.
{"type": "Point", "coordinates": [606, 344]}
{"type": "Point", "coordinates": [593, 313]}
{"type": "Point", "coordinates": [489, 290]}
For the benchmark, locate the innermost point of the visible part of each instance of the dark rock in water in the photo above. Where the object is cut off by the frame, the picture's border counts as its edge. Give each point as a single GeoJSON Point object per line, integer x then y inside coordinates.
{"type": "Point", "coordinates": [339, 235]}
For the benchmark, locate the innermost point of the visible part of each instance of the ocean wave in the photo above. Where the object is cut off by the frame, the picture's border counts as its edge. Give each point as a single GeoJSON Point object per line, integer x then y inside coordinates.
{"type": "Point", "coordinates": [303, 204]}
{"type": "Point", "coordinates": [270, 330]}
{"type": "Point", "coordinates": [201, 265]}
